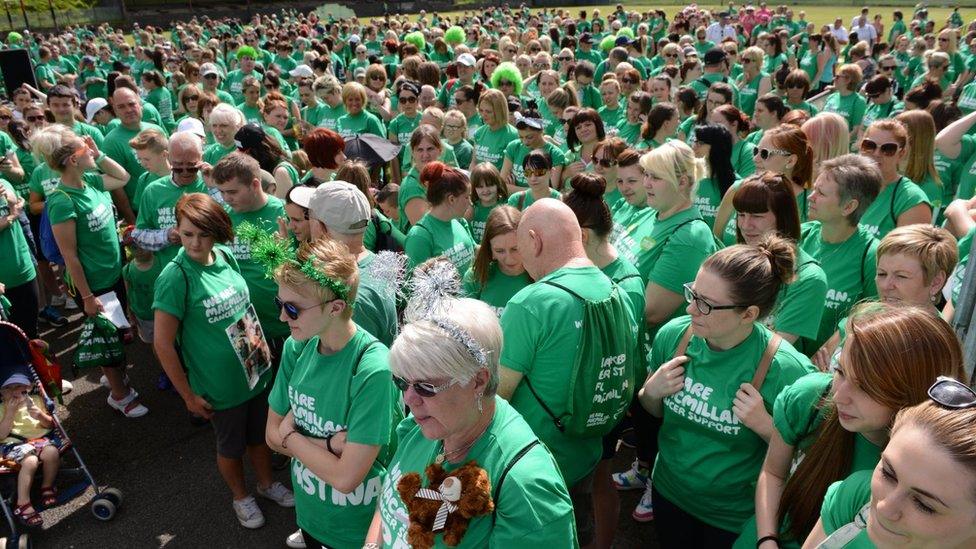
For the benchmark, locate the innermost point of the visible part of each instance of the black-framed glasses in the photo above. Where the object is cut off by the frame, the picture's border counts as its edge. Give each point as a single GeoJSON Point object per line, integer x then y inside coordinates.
{"type": "Point", "coordinates": [765, 153]}
{"type": "Point", "coordinates": [210, 76]}
{"type": "Point", "coordinates": [952, 394]}
{"type": "Point", "coordinates": [37, 118]}
{"type": "Point", "coordinates": [889, 67]}
{"type": "Point", "coordinates": [869, 146]}
{"type": "Point", "coordinates": [185, 169]}
{"type": "Point", "coordinates": [703, 306]}
{"type": "Point", "coordinates": [564, 59]}
{"type": "Point", "coordinates": [422, 388]}
{"type": "Point", "coordinates": [629, 81]}
{"type": "Point", "coordinates": [294, 311]}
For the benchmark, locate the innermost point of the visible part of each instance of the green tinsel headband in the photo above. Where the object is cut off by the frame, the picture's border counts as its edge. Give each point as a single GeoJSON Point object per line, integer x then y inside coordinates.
{"type": "Point", "coordinates": [273, 252]}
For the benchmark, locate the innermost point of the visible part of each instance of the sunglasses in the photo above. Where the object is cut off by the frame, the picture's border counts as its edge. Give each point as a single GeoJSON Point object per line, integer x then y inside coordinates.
{"type": "Point", "coordinates": [192, 97]}
{"type": "Point", "coordinates": [422, 388]}
{"type": "Point", "coordinates": [186, 169]}
{"type": "Point", "coordinates": [540, 65]}
{"type": "Point", "coordinates": [703, 306]}
{"type": "Point", "coordinates": [952, 394]}
{"type": "Point", "coordinates": [539, 172]}
{"type": "Point", "coordinates": [293, 311]}
{"type": "Point", "coordinates": [606, 162]}
{"type": "Point", "coordinates": [628, 81]}
{"type": "Point", "coordinates": [887, 149]}
{"type": "Point", "coordinates": [38, 118]}
{"type": "Point", "coordinates": [210, 76]}
{"type": "Point", "coordinates": [511, 51]}
{"type": "Point", "coordinates": [409, 99]}
{"type": "Point", "coordinates": [671, 56]}
{"type": "Point", "coordinates": [453, 128]}
{"type": "Point", "coordinates": [765, 153]}
{"type": "Point", "coordinates": [564, 59]}
{"type": "Point", "coordinates": [943, 39]}
{"type": "Point", "coordinates": [935, 65]}
{"type": "Point", "coordinates": [746, 60]}
{"type": "Point", "coordinates": [888, 67]}
{"type": "Point", "coordinates": [377, 77]}
{"type": "Point", "coordinates": [4, 117]}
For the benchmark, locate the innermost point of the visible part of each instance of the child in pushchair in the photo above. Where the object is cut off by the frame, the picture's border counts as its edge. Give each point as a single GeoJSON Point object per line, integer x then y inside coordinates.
{"type": "Point", "coordinates": [29, 440]}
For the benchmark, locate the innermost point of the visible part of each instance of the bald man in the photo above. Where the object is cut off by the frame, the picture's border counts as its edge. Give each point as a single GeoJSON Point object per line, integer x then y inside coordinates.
{"type": "Point", "coordinates": [156, 224]}
{"type": "Point", "coordinates": [542, 327]}
{"type": "Point", "coordinates": [128, 109]}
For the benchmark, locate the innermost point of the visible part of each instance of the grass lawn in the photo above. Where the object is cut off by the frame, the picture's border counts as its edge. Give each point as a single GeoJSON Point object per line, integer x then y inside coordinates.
{"type": "Point", "coordinates": [819, 14]}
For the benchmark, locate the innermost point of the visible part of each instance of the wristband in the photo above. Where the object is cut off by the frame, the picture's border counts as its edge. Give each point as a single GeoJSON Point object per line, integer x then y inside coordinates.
{"type": "Point", "coordinates": [87, 297]}
{"type": "Point", "coordinates": [764, 539]}
{"type": "Point", "coordinates": [100, 157]}
{"type": "Point", "coordinates": [284, 440]}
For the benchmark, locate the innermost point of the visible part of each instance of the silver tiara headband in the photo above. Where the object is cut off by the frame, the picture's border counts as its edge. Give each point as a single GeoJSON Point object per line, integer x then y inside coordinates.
{"type": "Point", "coordinates": [431, 285]}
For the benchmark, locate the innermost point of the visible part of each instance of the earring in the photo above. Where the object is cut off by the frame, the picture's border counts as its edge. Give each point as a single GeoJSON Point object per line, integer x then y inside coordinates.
{"type": "Point", "coordinates": [480, 405]}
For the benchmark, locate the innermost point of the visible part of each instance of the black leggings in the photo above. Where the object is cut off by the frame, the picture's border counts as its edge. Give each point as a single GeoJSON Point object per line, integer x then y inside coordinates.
{"type": "Point", "coordinates": [23, 307]}
{"type": "Point", "coordinates": [312, 543]}
{"type": "Point", "coordinates": [676, 528]}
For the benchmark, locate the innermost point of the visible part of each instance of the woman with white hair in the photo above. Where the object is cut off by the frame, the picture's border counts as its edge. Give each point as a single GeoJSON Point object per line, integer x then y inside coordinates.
{"type": "Point", "coordinates": [225, 120]}
{"type": "Point", "coordinates": [446, 363]}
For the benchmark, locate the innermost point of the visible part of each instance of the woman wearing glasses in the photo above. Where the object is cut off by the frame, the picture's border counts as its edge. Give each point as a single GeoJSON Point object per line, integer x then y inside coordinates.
{"type": "Point", "coordinates": [536, 168]}
{"type": "Point", "coordinates": [920, 493]}
{"type": "Point", "coordinates": [83, 221]}
{"type": "Point", "coordinates": [882, 103]}
{"type": "Point", "coordinates": [400, 128]}
{"type": "Point", "coordinates": [530, 126]}
{"type": "Point", "coordinates": [937, 65]}
{"type": "Point", "coordinates": [334, 377]}
{"type": "Point", "coordinates": [446, 363]}
{"type": "Point", "coordinates": [753, 83]}
{"type": "Point", "coordinates": [716, 375]}
{"type": "Point", "coordinates": [901, 202]}
{"type": "Point", "coordinates": [836, 423]}
{"type": "Point", "coordinates": [713, 144]}
{"type": "Point", "coordinates": [201, 297]}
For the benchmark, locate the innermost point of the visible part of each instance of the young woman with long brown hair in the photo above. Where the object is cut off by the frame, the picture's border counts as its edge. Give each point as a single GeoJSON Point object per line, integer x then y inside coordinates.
{"type": "Point", "coordinates": [839, 423]}
{"type": "Point", "coordinates": [497, 272]}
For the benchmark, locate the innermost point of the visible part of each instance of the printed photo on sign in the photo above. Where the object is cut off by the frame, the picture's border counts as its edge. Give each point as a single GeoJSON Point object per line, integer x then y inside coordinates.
{"type": "Point", "coordinates": [247, 339]}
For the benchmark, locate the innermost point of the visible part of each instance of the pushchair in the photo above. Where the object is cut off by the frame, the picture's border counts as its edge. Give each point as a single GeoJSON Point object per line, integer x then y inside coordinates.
{"type": "Point", "coordinates": [18, 354]}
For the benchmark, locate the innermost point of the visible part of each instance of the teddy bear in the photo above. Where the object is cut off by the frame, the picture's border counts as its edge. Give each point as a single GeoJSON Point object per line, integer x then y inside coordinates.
{"type": "Point", "coordinates": [447, 505]}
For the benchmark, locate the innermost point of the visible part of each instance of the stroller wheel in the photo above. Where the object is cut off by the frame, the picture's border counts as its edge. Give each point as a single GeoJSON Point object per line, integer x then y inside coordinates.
{"type": "Point", "coordinates": [114, 495]}
{"type": "Point", "coordinates": [24, 542]}
{"type": "Point", "coordinates": [103, 508]}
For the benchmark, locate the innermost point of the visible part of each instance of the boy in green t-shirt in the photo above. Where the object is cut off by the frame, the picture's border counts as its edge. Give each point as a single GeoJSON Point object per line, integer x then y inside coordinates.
{"type": "Point", "coordinates": [139, 276]}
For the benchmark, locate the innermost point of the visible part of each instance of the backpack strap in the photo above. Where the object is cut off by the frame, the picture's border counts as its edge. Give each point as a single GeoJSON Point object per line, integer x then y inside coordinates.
{"type": "Point", "coordinates": [501, 478]}
{"type": "Point", "coordinates": [355, 370]}
{"type": "Point", "coordinates": [767, 359]}
{"type": "Point", "coordinates": [891, 205]}
{"type": "Point", "coordinates": [846, 533]}
{"type": "Point", "coordinates": [864, 260]}
{"type": "Point", "coordinates": [683, 343]}
{"type": "Point", "coordinates": [521, 200]}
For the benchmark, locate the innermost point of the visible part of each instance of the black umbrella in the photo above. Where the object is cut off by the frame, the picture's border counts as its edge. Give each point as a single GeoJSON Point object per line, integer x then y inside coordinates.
{"type": "Point", "coordinates": [372, 149]}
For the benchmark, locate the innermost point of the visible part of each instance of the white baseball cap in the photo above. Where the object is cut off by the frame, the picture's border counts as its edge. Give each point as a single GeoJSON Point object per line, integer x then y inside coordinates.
{"type": "Point", "coordinates": [302, 71]}
{"type": "Point", "coordinates": [467, 60]}
{"type": "Point", "coordinates": [92, 108]}
{"type": "Point", "coordinates": [192, 125]}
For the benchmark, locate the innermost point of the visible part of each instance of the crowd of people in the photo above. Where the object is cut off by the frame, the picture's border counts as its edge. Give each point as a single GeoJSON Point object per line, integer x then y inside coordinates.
{"type": "Point", "coordinates": [731, 240]}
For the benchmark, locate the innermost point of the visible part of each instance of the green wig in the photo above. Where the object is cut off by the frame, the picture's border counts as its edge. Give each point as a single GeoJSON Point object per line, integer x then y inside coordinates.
{"type": "Point", "coordinates": [454, 35]}
{"type": "Point", "coordinates": [626, 31]}
{"type": "Point", "coordinates": [608, 42]}
{"type": "Point", "coordinates": [15, 37]}
{"type": "Point", "coordinates": [247, 51]}
{"type": "Point", "coordinates": [417, 39]}
{"type": "Point", "coordinates": [507, 71]}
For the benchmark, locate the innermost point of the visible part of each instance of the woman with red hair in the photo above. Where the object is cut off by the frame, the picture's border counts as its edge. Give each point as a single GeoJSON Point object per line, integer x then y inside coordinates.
{"type": "Point", "coordinates": [443, 231]}
{"type": "Point", "coordinates": [326, 154]}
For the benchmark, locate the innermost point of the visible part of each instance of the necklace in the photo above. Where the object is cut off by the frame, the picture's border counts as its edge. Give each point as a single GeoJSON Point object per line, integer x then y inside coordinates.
{"type": "Point", "coordinates": [444, 455]}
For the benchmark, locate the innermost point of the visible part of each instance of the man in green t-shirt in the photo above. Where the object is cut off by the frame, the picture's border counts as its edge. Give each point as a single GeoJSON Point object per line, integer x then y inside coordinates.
{"type": "Point", "coordinates": [339, 211]}
{"type": "Point", "coordinates": [63, 103]}
{"type": "Point", "coordinates": [542, 330]}
{"type": "Point", "coordinates": [238, 176]}
{"type": "Point", "coordinates": [128, 109]}
{"type": "Point", "coordinates": [156, 224]}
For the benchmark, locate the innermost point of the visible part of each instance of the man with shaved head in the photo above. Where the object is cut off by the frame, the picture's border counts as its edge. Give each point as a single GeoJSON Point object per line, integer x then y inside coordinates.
{"type": "Point", "coordinates": [128, 109]}
{"type": "Point", "coordinates": [543, 331]}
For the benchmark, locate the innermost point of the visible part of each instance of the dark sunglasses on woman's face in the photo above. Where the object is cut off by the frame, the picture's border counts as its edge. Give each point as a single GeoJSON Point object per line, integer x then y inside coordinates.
{"type": "Point", "coordinates": [39, 118]}
{"type": "Point", "coordinates": [293, 311]}
{"type": "Point", "coordinates": [408, 99]}
{"type": "Point", "coordinates": [765, 153]}
{"type": "Point", "coordinates": [952, 394]}
{"type": "Point", "coordinates": [422, 388]}
{"type": "Point", "coordinates": [869, 146]}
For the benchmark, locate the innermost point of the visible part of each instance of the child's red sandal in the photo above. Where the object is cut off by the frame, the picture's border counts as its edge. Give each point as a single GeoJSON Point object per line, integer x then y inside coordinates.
{"type": "Point", "coordinates": [28, 515]}
{"type": "Point", "coordinates": [49, 496]}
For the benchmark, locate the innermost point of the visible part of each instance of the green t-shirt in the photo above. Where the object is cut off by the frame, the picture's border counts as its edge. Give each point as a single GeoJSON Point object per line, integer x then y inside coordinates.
{"type": "Point", "coordinates": [157, 209]}
{"type": "Point", "coordinates": [742, 159]}
{"type": "Point", "coordinates": [162, 99]}
{"type": "Point", "coordinates": [875, 111]}
{"type": "Point", "coordinates": [141, 287]}
{"type": "Point", "coordinates": [410, 189]}
{"type": "Point", "coordinates": [959, 273]}
{"type": "Point", "coordinates": [849, 267]}
{"type": "Point", "coordinates": [489, 145]}
{"type": "Point", "coordinates": [895, 199]}
{"type": "Point", "coordinates": [28, 163]}
{"type": "Point", "coordinates": [800, 303]}
{"type": "Point", "coordinates": [843, 502]}
{"type": "Point", "coordinates": [612, 117]}
{"type": "Point", "coordinates": [541, 327]}
{"type": "Point", "coordinates": [207, 300]}
{"type": "Point", "coordinates": [516, 152]}
{"type": "Point", "coordinates": [967, 167]}
{"type": "Point", "coordinates": [215, 152]}
{"type": "Point", "coordinates": [533, 508]}
{"type": "Point", "coordinates": [234, 84]}
{"type": "Point", "coordinates": [17, 266]}
{"type": "Point", "coordinates": [851, 107]}
{"type": "Point", "coordinates": [97, 240]}
{"type": "Point", "coordinates": [351, 390]}
{"type": "Point", "coordinates": [263, 289]}
{"type": "Point", "coordinates": [499, 288]}
{"type": "Point", "coordinates": [116, 146]}
{"type": "Point", "coordinates": [432, 237]}
{"type": "Point", "coordinates": [402, 127]}
{"type": "Point", "coordinates": [523, 199]}
{"type": "Point", "coordinates": [252, 113]}
{"type": "Point", "coordinates": [708, 461]}
{"type": "Point", "coordinates": [479, 217]}
{"type": "Point", "coordinates": [707, 199]}
{"type": "Point", "coordinates": [625, 275]}
{"type": "Point", "coordinates": [43, 180]}
{"type": "Point", "coordinates": [749, 93]}
{"type": "Point", "coordinates": [797, 419]}
{"type": "Point", "coordinates": [631, 133]}
{"type": "Point", "coordinates": [375, 307]}
{"type": "Point", "coordinates": [328, 117]}
{"type": "Point", "coordinates": [365, 122]}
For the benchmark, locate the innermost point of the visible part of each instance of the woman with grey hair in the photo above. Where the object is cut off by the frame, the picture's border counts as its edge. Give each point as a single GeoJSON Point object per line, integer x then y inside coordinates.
{"type": "Point", "coordinates": [446, 363]}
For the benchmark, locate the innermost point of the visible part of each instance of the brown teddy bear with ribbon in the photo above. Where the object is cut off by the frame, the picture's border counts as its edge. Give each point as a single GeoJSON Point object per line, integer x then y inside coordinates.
{"type": "Point", "coordinates": [447, 505]}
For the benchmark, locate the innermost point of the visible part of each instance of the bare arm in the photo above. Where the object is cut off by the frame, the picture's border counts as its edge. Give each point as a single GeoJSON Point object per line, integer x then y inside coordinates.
{"type": "Point", "coordinates": [36, 201]}
{"type": "Point", "coordinates": [661, 304]}
{"type": "Point", "coordinates": [11, 168]}
{"type": "Point", "coordinates": [948, 142]}
{"type": "Point", "coordinates": [770, 485]}
{"type": "Point", "coordinates": [415, 209]}
{"type": "Point", "coordinates": [283, 182]}
{"type": "Point", "coordinates": [114, 176]}
{"type": "Point", "coordinates": [921, 213]}
{"type": "Point", "coordinates": [166, 328]}
{"type": "Point", "coordinates": [723, 214]}
{"type": "Point", "coordinates": [508, 381]}
{"type": "Point", "coordinates": [817, 535]}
